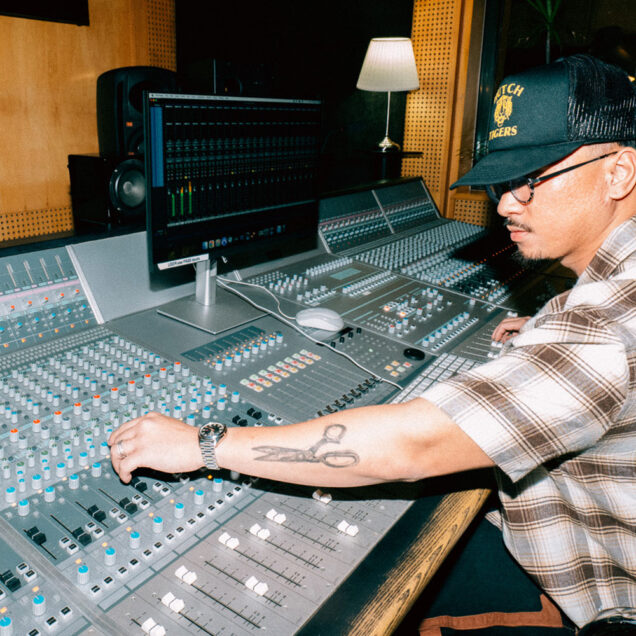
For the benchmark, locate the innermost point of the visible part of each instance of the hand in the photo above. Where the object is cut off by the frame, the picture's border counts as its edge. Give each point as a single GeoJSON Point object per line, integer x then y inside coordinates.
{"type": "Point", "coordinates": [155, 441]}
{"type": "Point", "coordinates": [508, 328]}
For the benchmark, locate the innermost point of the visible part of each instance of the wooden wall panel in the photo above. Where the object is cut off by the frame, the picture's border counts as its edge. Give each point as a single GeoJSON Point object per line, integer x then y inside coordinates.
{"type": "Point", "coordinates": [437, 26]}
{"type": "Point", "coordinates": [47, 100]}
{"type": "Point", "coordinates": [440, 113]}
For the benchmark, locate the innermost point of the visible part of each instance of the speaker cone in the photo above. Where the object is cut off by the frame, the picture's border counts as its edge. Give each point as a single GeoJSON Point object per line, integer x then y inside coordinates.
{"type": "Point", "coordinates": [128, 186]}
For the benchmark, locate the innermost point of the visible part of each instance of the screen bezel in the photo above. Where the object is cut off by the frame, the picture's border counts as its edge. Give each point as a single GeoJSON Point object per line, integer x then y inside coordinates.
{"type": "Point", "coordinates": [300, 219]}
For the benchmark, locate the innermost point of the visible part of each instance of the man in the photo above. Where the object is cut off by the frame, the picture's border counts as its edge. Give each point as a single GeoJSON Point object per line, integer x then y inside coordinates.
{"type": "Point", "coordinates": [556, 413]}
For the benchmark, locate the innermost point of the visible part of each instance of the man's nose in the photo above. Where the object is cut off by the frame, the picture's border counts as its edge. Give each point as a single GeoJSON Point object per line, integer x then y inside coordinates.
{"type": "Point", "coordinates": [508, 205]}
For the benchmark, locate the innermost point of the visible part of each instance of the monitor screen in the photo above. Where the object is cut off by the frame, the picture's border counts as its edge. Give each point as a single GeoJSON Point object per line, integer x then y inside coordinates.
{"type": "Point", "coordinates": [232, 179]}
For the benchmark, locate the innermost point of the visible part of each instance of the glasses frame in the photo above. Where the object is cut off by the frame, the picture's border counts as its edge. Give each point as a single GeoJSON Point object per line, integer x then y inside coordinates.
{"type": "Point", "coordinates": [530, 182]}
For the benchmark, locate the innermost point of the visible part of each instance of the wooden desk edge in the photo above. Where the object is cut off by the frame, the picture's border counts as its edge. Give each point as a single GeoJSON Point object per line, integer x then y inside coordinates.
{"type": "Point", "coordinates": [384, 611]}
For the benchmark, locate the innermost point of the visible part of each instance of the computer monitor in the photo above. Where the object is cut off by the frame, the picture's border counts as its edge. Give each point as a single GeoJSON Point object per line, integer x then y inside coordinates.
{"type": "Point", "coordinates": [231, 182]}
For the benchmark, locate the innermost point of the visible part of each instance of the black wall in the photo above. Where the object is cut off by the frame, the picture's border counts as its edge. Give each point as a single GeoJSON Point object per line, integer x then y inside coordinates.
{"type": "Point", "coordinates": [300, 48]}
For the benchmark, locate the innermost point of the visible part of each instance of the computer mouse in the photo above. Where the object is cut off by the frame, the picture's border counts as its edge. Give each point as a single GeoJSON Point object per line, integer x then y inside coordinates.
{"type": "Point", "coordinates": [320, 318]}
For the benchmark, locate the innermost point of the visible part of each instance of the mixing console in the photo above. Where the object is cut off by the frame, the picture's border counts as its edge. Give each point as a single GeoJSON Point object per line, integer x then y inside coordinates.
{"type": "Point", "coordinates": [407, 206]}
{"type": "Point", "coordinates": [284, 366]}
{"type": "Point", "coordinates": [222, 553]}
{"type": "Point", "coordinates": [348, 221]}
{"type": "Point", "coordinates": [186, 545]}
{"type": "Point", "coordinates": [456, 256]}
{"type": "Point", "coordinates": [432, 318]}
{"type": "Point", "coordinates": [41, 298]}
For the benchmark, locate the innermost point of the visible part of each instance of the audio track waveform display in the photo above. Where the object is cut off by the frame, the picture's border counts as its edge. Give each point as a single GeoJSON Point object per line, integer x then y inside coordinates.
{"type": "Point", "coordinates": [229, 170]}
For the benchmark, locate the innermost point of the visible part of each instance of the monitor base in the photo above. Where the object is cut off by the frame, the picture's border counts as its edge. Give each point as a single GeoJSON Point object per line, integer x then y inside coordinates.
{"type": "Point", "coordinates": [226, 312]}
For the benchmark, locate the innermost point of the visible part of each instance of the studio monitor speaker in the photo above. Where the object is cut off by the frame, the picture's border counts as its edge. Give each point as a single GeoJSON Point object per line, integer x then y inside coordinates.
{"type": "Point", "coordinates": [120, 106]}
{"type": "Point", "coordinates": [107, 191]}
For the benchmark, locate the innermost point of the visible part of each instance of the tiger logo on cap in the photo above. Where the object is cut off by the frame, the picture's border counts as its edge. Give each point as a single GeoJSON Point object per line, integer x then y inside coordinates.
{"type": "Point", "coordinates": [503, 109]}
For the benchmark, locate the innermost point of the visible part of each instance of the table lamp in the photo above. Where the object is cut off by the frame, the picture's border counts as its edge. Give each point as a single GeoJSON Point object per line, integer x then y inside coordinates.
{"type": "Point", "coordinates": [389, 65]}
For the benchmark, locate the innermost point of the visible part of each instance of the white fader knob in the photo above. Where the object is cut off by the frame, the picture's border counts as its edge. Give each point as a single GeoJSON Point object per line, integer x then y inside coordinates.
{"type": "Point", "coordinates": [152, 628]}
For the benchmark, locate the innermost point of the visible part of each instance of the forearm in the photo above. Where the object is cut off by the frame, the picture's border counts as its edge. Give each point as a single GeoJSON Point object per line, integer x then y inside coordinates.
{"type": "Point", "coordinates": [398, 442]}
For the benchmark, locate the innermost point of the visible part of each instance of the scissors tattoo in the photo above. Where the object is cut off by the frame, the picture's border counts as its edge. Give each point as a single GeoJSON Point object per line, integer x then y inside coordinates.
{"type": "Point", "coordinates": [332, 434]}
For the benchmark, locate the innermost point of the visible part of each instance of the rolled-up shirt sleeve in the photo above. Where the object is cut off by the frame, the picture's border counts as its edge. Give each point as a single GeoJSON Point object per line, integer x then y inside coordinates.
{"type": "Point", "coordinates": [555, 392]}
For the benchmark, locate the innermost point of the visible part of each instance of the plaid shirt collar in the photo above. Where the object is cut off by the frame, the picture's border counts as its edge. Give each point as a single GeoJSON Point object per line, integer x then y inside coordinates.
{"type": "Point", "coordinates": [611, 257]}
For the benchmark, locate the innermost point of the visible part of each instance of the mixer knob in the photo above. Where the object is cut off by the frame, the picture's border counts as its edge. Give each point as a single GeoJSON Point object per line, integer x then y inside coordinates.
{"type": "Point", "coordinates": [134, 540]}
{"type": "Point", "coordinates": [83, 574]}
{"type": "Point", "coordinates": [179, 510]}
{"type": "Point", "coordinates": [23, 507]}
{"type": "Point", "coordinates": [157, 524]}
{"type": "Point", "coordinates": [73, 481]}
{"type": "Point", "coordinates": [217, 484]}
{"type": "Point", "coordinates": [49, 494]}
{"type": "Point", "coordinates": [110, 556]}
{"type": "Point", "coordinates": [11, 494]}
{"type": "Point", "coordinates": [6, 626]}
{"type": "Point", "coordinates": [199, 497]}
{"type": "Point", "coordinates": [38, 605]}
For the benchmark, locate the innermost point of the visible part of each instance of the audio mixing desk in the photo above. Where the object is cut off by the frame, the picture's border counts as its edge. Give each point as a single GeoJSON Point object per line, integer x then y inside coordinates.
{"type": "Point", "coordinates": [218, 552]}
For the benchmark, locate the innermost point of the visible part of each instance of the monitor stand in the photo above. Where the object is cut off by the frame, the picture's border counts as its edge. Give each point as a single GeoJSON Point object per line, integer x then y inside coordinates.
{"type": "Point", "coordinates": [211, 309]}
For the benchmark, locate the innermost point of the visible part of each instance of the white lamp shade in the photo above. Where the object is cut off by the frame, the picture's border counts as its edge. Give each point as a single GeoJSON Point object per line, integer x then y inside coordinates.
{"type": "Point", "coordinates": [389, 65]}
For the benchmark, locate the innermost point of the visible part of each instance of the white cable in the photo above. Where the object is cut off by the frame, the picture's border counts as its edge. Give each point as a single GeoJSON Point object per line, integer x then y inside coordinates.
{"type": "Point", "coordinates": [225, 282]}
{"type": "Point", "coordinates": [288, 320]}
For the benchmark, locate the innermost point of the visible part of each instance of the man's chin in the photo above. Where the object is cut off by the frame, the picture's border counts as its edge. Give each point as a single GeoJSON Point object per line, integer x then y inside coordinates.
{"type": "Point", "coordinates": [530, 261]}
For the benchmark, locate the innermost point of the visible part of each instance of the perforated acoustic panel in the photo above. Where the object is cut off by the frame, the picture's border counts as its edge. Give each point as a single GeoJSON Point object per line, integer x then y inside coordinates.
{"type": "Point", "coordinates": [162, 46]}
{"type": "Point", "coordinates": [434, 34]}
{"type": "Point", "coordinates": [27, 223]}
{"type": "Point", "coordinates": [476, 211]}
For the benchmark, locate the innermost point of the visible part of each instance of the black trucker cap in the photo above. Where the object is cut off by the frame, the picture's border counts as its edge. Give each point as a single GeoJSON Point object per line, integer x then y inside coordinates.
{"type": "Point", "coordinates": [543, 114]}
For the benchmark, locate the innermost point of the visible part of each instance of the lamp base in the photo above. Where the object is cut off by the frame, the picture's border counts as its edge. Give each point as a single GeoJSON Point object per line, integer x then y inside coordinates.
{"type": "Point", "coordinates": [388, 145]}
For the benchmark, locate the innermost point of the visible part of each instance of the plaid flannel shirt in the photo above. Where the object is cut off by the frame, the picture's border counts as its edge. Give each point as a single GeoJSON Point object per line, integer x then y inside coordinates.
{"type": "Point", "coordinates": [556, 412]}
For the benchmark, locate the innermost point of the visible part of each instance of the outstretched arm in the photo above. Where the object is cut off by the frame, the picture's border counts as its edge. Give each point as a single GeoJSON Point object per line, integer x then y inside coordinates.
{"type": "Point", "coordinates": [390, 442]}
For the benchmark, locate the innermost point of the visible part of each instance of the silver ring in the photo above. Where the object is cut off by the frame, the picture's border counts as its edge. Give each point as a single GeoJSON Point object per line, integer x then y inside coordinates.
{"type": "Point", "coordinates": [120, 450]}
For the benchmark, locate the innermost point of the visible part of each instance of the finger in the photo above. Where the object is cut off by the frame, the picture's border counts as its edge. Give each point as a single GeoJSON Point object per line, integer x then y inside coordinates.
{"type": "Point", "coordinates": [500, 332]}
{"type": "Point", "coordinates": [125, 469]}
{"type": "Point", "coordinates": [129, 462]}
{"type": "Point", "coordinates": [123, 430]}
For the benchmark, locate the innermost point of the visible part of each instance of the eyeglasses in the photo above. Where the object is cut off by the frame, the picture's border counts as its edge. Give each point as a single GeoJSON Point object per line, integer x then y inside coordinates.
{"type": "Point", "coordinates": [522, 189]}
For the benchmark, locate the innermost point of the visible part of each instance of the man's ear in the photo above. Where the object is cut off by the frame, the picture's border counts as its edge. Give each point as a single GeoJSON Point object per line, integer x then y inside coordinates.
{"type": "Point", "coordinates": [623, 174]}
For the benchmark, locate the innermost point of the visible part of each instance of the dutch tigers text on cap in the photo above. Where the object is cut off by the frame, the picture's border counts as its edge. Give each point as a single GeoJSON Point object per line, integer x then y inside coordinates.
{"type": "Point", "coordinates": [543, 114]}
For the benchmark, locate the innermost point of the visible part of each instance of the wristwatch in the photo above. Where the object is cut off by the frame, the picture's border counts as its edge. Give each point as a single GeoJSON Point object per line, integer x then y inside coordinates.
{"type": "Point", "coordinates": [210, 436]}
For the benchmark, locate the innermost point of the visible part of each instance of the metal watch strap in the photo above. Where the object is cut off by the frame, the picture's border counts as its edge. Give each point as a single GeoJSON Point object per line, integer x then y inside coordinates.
{"type": "Point", "coordinates": [208, 446]}
{"type": "Point", "coordinates": [208, 452]}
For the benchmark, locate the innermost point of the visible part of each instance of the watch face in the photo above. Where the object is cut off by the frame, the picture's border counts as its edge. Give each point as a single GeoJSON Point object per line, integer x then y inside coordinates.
{"type": "Point", "coordinates": [211, 429]}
